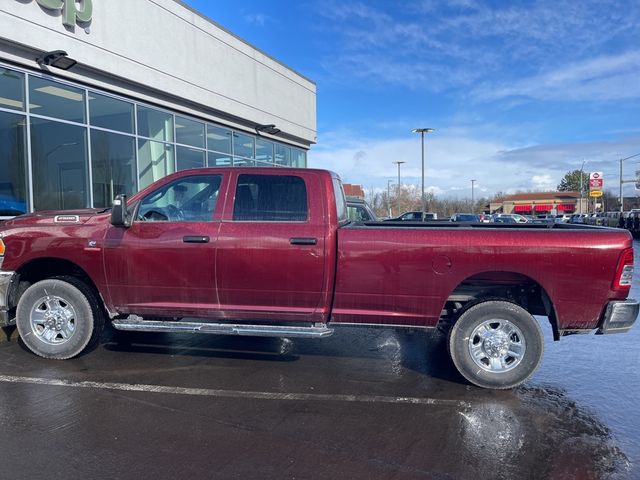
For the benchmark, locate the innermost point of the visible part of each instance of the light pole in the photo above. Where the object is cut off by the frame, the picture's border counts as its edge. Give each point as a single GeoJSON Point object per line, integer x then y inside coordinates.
{"type": "Point", "coordinates": [625, 181]}
{"type": "Point", "coordinates": [473, 203]}
{"type": "Point", "coordinates": [582, 186]}
{"type": "Point", "coordinates": [389, 197]}
{"type": "Point", "coordinates": [422, 131]}
{"type": "Point", "coordinates": [399, 162]}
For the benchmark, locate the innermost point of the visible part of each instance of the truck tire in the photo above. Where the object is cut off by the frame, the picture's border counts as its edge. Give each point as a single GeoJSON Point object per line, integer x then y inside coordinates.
{"type": "Point", "coordinates": [496, 344]}
{"type": "Point", "coordinates": [59, 317]}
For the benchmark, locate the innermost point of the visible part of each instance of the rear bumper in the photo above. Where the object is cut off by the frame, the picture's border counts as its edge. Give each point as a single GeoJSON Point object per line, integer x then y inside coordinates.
{"type": "Point", "coordinates": [6, 278]}
{"type": "Point", "coordinates": [619, 317]}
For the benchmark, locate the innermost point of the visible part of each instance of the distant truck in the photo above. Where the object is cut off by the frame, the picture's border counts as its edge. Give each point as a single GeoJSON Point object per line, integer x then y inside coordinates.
{"type": "Point", "coordinates": [271, 252]}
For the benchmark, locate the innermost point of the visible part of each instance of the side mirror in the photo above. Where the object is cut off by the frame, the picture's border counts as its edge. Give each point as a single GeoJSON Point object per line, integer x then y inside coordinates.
{"type": "Point", "coordinates": [119, 213]}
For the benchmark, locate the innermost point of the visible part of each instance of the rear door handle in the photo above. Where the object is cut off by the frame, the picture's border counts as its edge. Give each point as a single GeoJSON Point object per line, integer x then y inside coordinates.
{"type": "Point", "coordinates": [195, 239]}
{"type": "Point", "coordinates": [303, 241]}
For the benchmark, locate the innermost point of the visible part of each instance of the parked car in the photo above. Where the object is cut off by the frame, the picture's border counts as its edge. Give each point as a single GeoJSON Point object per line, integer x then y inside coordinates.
{"type": "Point", "coordinates": [517, 217]}
{"type": "Point", "coordinates": [271, 252]}
{"type": "Point", "coordinates": [360, 211]}
{"type": "Point", "coordinates": [414, 217]}
{"type": "Point", "coordinates": [465, 217]}
{"type": "Point", "coordinates": [504, 219]}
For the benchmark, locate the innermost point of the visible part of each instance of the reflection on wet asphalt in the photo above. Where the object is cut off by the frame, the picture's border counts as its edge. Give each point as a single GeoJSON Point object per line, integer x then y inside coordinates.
{"type": "Point", "coordinates": [335, 408]}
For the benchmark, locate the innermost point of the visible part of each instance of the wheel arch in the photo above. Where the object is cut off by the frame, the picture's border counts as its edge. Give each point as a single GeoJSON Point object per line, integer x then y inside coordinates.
{"type": "Point", "coordinates": [48, 267]}
{"type": "Point", "coordinates": [515, 287]}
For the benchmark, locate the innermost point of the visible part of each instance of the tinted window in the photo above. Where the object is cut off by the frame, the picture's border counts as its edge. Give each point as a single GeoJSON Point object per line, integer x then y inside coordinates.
{"type": "Point", "coordinates": [190, 199]}
{"type": "Point", "coordinates": [270, 198]}
{"type": "Point", "coordinates": [111, 113]}
{"type": "Point", "coordinates": [53, 99]}
{"type": "Point", "coordinates": [13, 164]}
{"type": "Point", "coordinates": [11, 89]}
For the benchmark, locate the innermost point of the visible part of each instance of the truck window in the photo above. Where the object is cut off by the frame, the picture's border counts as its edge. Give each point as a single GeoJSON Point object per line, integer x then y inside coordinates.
{"type": "Point", "coordinates": [270, 198]}
{"type": "Point", "coordinates": [189, 199]}
{"type": "Point", "coordinates": [341, 201]}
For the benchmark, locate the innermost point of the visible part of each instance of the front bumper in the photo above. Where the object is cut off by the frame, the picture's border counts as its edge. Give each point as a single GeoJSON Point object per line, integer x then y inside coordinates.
{"type": "Point", "coordinates": [6, 279]}
{"type": "Point", "coordinates": [619, 317]}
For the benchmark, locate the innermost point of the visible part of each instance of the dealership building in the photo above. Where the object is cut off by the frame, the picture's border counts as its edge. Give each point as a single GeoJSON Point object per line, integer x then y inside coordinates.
{"type": "Point", "coordinates": [102, 97]}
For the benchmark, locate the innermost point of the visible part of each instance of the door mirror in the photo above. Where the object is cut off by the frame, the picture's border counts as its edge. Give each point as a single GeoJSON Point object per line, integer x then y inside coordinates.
{"type": "Point", "coordinates": [119, 213]}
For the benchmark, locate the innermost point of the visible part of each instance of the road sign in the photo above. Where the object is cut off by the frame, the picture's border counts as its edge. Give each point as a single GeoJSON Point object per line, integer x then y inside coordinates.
{"type": "Point", "coordinates": [595, 193]}
{"type": "Point", "coordinates": [596, 181]}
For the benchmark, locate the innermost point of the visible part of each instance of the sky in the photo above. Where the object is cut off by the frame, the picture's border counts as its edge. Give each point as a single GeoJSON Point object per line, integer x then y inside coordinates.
{"type": "Point", "coordinates": [519, 93]}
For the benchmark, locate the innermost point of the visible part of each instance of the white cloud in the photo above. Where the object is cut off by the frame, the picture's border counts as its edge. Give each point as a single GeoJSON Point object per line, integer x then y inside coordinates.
{"type": "Point", "coordinates": [258, 19]}
{"type": "Point", "coordinates": [614, 77]}
{"type": "Point", "coordinates": [454, 157]}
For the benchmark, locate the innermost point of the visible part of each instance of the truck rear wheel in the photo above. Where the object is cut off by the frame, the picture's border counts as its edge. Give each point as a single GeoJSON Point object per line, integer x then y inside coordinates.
{"type": "Point", "coordinates": [496, 344]}
{"type": "Point", "coordinates": [58, 317]}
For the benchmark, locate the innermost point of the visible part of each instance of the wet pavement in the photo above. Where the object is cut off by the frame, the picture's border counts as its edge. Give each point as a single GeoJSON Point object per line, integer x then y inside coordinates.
{"type": "Point", "coordinates": [365, 403]}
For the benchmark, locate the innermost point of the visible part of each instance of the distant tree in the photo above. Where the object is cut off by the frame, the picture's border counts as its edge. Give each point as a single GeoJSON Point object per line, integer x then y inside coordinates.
{"type": "Point", "coordinates": [571, 181]}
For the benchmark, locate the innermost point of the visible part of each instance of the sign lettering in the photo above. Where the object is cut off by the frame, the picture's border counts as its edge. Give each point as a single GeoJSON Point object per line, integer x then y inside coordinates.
{"type": "Point", "coordinates": [73, 11]}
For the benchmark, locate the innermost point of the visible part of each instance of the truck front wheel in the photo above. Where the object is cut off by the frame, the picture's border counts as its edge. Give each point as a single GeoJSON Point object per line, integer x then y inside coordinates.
{"type": "Point", "coordinates": [58, 317]}
{"type": "Point", "coordinates": [496, 344]}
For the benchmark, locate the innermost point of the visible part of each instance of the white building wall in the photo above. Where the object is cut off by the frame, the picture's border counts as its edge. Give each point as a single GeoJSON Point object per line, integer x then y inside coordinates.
{"type": "Point", "coordinates": [183, 60]}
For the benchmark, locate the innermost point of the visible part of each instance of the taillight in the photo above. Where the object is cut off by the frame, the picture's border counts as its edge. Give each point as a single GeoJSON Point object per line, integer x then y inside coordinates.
{"type": "Point", "coordinates": [624, 272]}
{"type": "Point", "coordinates": [1, 247]}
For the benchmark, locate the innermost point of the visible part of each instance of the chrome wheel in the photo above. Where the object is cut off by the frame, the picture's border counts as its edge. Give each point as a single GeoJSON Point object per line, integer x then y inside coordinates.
{"type": "Point", "coordinates": [53, 319]}
{"type": "Point", "coordinates": [497, 345]}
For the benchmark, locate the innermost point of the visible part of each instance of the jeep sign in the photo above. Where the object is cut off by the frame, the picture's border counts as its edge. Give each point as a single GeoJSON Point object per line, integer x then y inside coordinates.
{"type": "Point", "coordinates": [73, 11]}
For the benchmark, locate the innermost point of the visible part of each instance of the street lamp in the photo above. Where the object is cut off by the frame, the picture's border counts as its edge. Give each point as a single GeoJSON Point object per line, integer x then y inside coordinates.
{"type": "Point", "coordinates": [389, 197]}
{"type": "Point", "coordinates": [473, 203]}
{"type": "Point", "coordinates": [422, 131]}
{"type": "Point", "coordinates": [625, 181]}
{"type": "Point", "coordinates": [399, 162]}
{"type": "Point", "coordinates": [582, 186]}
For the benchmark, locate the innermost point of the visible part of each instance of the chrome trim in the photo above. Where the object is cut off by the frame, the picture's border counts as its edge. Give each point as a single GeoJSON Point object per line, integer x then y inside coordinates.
{"type": "Point", "coordinates": [619, 317]}
{"type": "Point", "coordinates": [138, 324]}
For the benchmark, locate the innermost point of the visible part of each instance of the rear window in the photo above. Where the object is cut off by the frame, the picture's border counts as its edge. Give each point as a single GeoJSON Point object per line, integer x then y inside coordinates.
{"type": "Point", "coordinates": [270, 198]}
{"type": "Point", "coordinates": [341, 200]}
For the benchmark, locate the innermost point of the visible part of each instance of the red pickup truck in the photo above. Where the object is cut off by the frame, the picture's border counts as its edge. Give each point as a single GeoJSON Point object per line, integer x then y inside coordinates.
{"type": "Point", "coordinates": [271, 252]}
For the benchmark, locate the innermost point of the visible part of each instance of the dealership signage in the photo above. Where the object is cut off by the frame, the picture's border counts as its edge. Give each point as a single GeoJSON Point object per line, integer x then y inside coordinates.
{"type": "Point", "coordinates": [73, 11]}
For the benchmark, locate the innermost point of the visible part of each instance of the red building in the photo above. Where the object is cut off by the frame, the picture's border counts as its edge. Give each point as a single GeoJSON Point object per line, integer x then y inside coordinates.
{"type": "Point", "coordinates": [539, 203]}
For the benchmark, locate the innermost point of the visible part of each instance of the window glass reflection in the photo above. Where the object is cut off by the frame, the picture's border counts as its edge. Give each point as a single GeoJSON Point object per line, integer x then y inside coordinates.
{"type": "Point", "coordinates": [155, 124]}
{"type": "Point", "coordinates": [111, 113]}
{"type": "Point", "coordinates": [243, 145]}
{"type": "Point", "coordinates": [59, 159]}
{"type": "Point", "coordinates": [11, 89]}
{"type": "Point", "coordinates": [113, 161]}
{"type": "Point", "coordinates": [298, 158]}
{"type": "Point", "coordinates": [53, 99]}
{"type": "Point", "coordinates": [189, 132]}
{"type": "Point", "coordinates": [155, 160]}
{"type": "Point", "coordinates": [283, 155]}
{"type": "Point", "coordinates": [218, 160]}
{"type": "Point", "coordinates": [13, 164]}
{"type": "Point", "coordinates": [190, 158]}
{"type": "Point", "coordinates": [218, 139]}
{"type": "Point", "coordinates": [264, 150]}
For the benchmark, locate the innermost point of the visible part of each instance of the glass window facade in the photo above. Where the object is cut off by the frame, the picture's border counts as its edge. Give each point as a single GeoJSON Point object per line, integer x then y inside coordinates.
{"type": "Point", "coordinates": [85, 146]}
{"type": "Point", "coordinates": [13, 164]}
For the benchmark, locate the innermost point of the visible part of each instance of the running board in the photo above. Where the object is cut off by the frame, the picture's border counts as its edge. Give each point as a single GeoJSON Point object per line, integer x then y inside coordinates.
{"type": "Point", "coordinates": [138, 324]}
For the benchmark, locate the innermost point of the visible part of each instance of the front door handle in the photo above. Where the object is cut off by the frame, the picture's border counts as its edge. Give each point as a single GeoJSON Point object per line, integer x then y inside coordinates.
{"type": "Point", "coordinates": [303, 241]}
{"type": "Point", "coordinates": [195, 239]}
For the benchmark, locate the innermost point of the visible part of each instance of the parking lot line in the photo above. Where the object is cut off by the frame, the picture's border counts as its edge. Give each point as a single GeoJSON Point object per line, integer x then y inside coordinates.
{"type": "Point", "coordinates": [208, 392]}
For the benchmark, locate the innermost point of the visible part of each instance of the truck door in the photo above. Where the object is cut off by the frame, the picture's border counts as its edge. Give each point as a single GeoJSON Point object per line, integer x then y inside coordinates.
{"type": "Point", "coordinates": [164, 263]}
{"type": "Point", "coordinates": [271, 248]}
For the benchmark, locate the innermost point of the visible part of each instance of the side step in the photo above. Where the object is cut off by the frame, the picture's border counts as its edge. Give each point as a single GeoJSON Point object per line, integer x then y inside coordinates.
{"type": "Point", "coordinates": [137, 324]}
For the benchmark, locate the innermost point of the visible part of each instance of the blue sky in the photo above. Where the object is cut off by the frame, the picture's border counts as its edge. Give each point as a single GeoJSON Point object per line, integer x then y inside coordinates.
{"type": "Point", "coordinates": [519, 92]}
